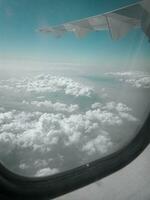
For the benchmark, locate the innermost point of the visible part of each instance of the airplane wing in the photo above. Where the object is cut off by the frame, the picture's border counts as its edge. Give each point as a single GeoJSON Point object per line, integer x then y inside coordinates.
{"type": "Point", "coordinates": [118, 22]}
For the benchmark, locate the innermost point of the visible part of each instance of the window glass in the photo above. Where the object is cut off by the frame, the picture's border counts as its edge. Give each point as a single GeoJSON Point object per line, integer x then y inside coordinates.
{"type": "Point", "coordinates": [67, 101]}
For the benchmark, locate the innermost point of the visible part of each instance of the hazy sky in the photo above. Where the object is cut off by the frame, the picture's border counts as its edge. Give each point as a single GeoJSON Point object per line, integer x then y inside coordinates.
{"type": "Point", "coordinates": [18, 39]}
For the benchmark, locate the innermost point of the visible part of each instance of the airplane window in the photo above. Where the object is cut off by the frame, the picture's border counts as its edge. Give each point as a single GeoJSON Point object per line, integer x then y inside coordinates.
{"type": "Point", "coordinates": [64, 100]}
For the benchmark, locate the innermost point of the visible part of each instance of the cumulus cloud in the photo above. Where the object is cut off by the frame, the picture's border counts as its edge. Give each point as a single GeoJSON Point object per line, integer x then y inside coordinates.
{"type": "Point", "coordinates": [23, 166]}
{"type": "Point", "coordinates": [96, 105]}
{"type": "Point", "coordinates": [120, 107]}
{"type": "Point", "coordinates": [41, 127]}
{"type": "Point", "coordinates": [5, 117]}
{"type": "Point", "coordinates": [43, 131]}
{"type": "Point", "coordinates": [112, 112]}
{"type": "Point", "coordinates": [100, 144]}
{"type": "Point", "coordinates": [48, 84]}
{"type": "Point", "coordinates": [41, 163]}
{"type": "Point", "coordinates": [46, 172]}
{"type": "Point", "coordinates": [128, 117]}
{"type": "Point", "coordinates": [7, 143]}
{"type": "Point", "coordinates": [54, 107]}
{"type": "Point", "coordinates": [17, 122]}
{"type": "Point", "coordinates": [135, 79]}
{"type": "Point", "coordinates": [103, 117]}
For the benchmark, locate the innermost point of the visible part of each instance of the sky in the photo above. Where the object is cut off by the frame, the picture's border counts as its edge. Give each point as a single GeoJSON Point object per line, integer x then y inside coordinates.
{"type": "Point", "coordinates": [19, 40]}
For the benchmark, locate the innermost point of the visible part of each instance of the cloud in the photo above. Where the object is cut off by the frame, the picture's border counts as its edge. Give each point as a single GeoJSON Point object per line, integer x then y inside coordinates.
{"type": "Point", "coordinates": [40, 163]}
{"type": "Point", "coordinates": [135, 79]}
{"type": "Point", "coordinates": [116, 113]}
{"type": "Point", "coordinates": [17, 122]}
{"type": "Point", "coordinates": [120, 107]}
{"type": "Point", "coordinates": [128, 117]}
{"type": "Point", "coordinates": [43, 131]}
{"type": "Point", "coordinates": [23, 166]}
{"type": "Point", "coordinates": [111, 106]}
{"type": "Point", "coordinates": [48, 84]}
{"type": "Point", "coordinates": [7, 143]}
{"type": "Point", "coordinates": [104, 117]}
{"type": "Point", "coordinates": [101, 144]}
{"type": "Point", "coordinates": [6, 117]}
{"type": "Point", "coordinates": [42, 126]}
{"type": "Point", "coordinates": [53, 107]}
{"type": "Point", "coordinates": [46, 172]}
{"type": "Point", "coordinates": [96, 105]}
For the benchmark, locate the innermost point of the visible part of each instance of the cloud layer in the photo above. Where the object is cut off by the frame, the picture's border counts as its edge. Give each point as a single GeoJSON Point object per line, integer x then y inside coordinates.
{"type": "Point", "coordinates": [135, 79]}
{"type": "Point", "coordinates": [48, 84]}
{"type": "Point", "coordinates": [45, 134]}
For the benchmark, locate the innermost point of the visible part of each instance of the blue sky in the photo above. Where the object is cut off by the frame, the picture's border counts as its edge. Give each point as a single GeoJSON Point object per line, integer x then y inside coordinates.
{"type": "Point", "coordinates": [20, 18]}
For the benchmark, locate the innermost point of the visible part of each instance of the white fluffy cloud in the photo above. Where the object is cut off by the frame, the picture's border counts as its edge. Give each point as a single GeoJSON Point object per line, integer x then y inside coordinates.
{"type": "Point", "coordinates": [46, 172]}
{"type": "Point", "coordinates": [112, 113]}
{"type": "Point", "coordinates": [44, 130]}
{"type": "Point", "coordinates": [100, 144]}
{"type": "Point", "coordinates": [53, 107]}
{"type": "Point", "coordinates": [135, 79]}
{"type": "Point", "coordinates": [104, 117]}
{"type": "Point", "coordinates": [23, 166]}
{"type": "Point", "coordinates": [128, 117]}
{"type": "Point", "coordinates": [48, 84]}
{"type": "Point", "coordinates": [7, 143]}
{"type": "Point", "coordinates": [120, 107]}
{"type": "Point", "coordinates": [5, 117]}
{"type": "Point", "coordinates": [41, 163]}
